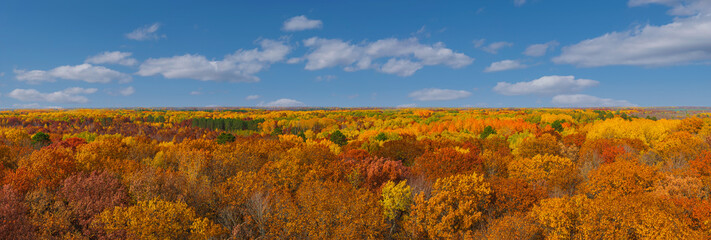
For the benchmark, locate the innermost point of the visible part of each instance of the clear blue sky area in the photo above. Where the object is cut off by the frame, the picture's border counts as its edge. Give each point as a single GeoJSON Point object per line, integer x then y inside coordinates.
{"type": "Point", "coordinates": [492, 53]}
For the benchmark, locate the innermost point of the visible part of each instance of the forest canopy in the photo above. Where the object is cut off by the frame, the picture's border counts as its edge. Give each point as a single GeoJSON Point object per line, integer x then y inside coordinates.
{"type": "Point", "coordinates": [640, 173]}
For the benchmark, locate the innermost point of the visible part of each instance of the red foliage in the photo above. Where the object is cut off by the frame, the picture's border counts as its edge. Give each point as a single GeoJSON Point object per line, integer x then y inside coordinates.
{"type": "Point", "coordinates": [405, 150]}
{"type": "Point", "coordinates": [374, 172]}
{"type": "Point", "coordinates": [72, 143]}
{"type": "Point", "coordinates": [91, 194]}
{"type": "Point", "coordinates": [514, 195]}
{"type": "Point", "coordinates": [701, 166]}
{"type": "Point", "coordinates": [355, 154]}
{"type": "Point", "coordinates": [608, 149]}
{"type": "Point", "coordinates": [447, 162]}
{"type": "Point", "coordinates": [13, 215]}
{"type": "Point", "coordinates": [576, 139]}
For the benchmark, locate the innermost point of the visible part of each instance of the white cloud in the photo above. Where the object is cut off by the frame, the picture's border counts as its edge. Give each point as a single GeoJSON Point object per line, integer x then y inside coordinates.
{"type": "Point", "coordinates": [505, 65]}
{"type": "Point", "coordinates": [294, 60]}
{"type": "Point", "coordinates": [478, 43]}
{"type": "Point", "coordinates": [284, 102]}
{"type": "Point", "coordinates": [683, 41]}
{"type": "Point", "coordinates": [404, 57]}
{"type": "Point", "coordinates": [326, 78]}
{"type": "Point", "coordinates": [537, 50]}
{"type": "Point", "coordinates": [435, 94]}
{"type": "Point", "coordinates": [33, 76]}
{"type": "Point", "coordinates": [408, 105]}
{"type": "Point", "coordinates": [115, 57]}
{"type": "Point", "coordinates": [545, 85]}
{"type": "Point", "coordinates": [252, 97]}
{"type": "Point", "coordinates": [679, 7]}
{"type": "Point", "coordinates": [492, 48]}
{"type": "Point", "coordinates": [147, 32]}
{"type": "Point", "coordinates": [519, 3]}
{"type": "Point", "coordinates": [195, 93]}
{"type": "Point", "coordinates": [300, 23]}
{"type": "Point", "coordinates": [238, 67]}
{"type": "Point", "coordinates": [582, 100]}
{"type": "Point", "coordinates": [34, 106]}
{"type": "Point", "coordinates": [127, 91]}
{"type": "Point", "coordinates": [69, 95]}
{"type": "Point", "coordinates": [83, 72]}
{"type": "Point", "coordinates": [401, 67]}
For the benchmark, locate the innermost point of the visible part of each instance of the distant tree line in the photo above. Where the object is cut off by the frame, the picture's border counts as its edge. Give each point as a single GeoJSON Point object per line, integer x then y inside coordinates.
{"type": "Point", "coordinates": [227, 124]}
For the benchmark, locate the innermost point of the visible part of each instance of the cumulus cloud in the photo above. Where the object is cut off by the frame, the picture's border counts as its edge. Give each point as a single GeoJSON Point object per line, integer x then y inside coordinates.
{"type": "Point", "coordinates": [83, 72]}
{"type": "Point", "coordinates": [492, 48]}
{"type": "Point", "coordinates": [537, 50]}
{"type": "Point", "coordinates": [115, 57]}
{"type": "Point", "coordinates": [252, 97]}
{"type": "Point", "coordinates": [34, 106]}
{"type": "Point", "coordinates": [582, 100]}
{"type": "Point", "coordinates": [300, 23]}
{"type": "Point", "coordinates": [408, 105]}
{"type": "Point", "coordinates": [683, 41]}
{"type": "Point", "coordinates": [238, 67]}
{"type": "Point", "coordinates": [404, 56]}
{"type": "Point", "coordinates": [401, 67]}
{"type": "Point", "coordinates": [545, 86]}
{"type": "Point", "coordinates": [678, 7]}
{"type": "Point", "coordinates": [326, 78]}
{"type": "Point", "coordinates": [281, 103]}
{"type": "Point", "coordinates": [147, 32]}
{"type": "Point", "coordinates": [505, 65]}
{"type": "Point", "coordinates": [435, 94]}
{"type": "Point", "coordinates": [519, 3]}
{"type": "Point", "coordinates": [127, 91]}
{"type": "Point", "coordinates": [69, 95]}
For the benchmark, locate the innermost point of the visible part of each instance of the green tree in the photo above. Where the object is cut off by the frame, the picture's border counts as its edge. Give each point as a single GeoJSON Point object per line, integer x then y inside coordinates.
{"type": "Point", "coordinates": [225, 138]}
{"type": "Point", "coordinates": [488, 130]}
{"type": "Point", "coordinates": [337, 137]}
{"type": "Point", "coordinates": [41, 139]}
{"type": "Point", "coordinates": [557, 125]}
{"type": "Point", "coordinates": [381, 137]}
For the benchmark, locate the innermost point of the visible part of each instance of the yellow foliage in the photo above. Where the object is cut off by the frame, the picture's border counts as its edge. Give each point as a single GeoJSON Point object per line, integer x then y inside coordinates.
{"type": "Point", "coordinates": [456, 206]}
{"type": "Point", "coordinates": [650, 132]}
{"type": "Point", "coordinates": [157, 219]}
{"type": "Point", "coordinates": [396, 199]}
{"type": "Point", "coordinates": [539, 167]}
{"type": "Point", "coordinates": [549, 118]}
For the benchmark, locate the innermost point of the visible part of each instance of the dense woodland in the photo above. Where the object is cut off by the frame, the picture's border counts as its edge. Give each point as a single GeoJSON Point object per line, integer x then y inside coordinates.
{"type": "Point", "coordinates": [355, 174]}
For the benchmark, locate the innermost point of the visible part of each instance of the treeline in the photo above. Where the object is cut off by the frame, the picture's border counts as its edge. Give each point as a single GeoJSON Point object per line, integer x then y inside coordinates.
{"type": "Point", "coordinates": [227, 124]}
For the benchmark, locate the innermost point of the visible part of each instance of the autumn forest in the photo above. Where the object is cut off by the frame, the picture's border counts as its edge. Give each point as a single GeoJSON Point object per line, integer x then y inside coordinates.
{"type": "Point", "coordinates": [615, 173]}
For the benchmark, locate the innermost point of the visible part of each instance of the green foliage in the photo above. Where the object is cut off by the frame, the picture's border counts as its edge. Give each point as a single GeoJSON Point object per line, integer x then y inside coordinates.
{"type": "Point", "coordinates": [557, 125]}
{"type": "Point", "coordinates": [337, 137]}
{"type": "Point", "coordinates": [41, 139]}
{"type": "Point", "coordinates": [488, 130]}
{"type": "Point", "coordinates": [225, 138]}
{"type": "Point", "coordinates": [381, 137]}
{"type": "Point", "coordinates": [277, 131]}
{"type": "Point", "coordinates": [89, 137]}
{"type": "Point", "coordinates": [227, 124]}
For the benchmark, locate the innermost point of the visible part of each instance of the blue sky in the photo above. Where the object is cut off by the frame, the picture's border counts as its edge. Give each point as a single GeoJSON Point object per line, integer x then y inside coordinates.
{"type": "Point", "coordinates": [493, 53]}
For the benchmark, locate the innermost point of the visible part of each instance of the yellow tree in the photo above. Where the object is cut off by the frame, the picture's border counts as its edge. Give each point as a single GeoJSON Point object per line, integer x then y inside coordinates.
{"type": "Point", "coordinates": [330, 210]}
{"type": "Point", "coordinates": [396, 201]}
{"type": "Point", "coordinates": [540, 168]}
{"type": "Point", "coordinates": [454, 210]}
{"type": "Point", "coordinates": [156, 219]}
